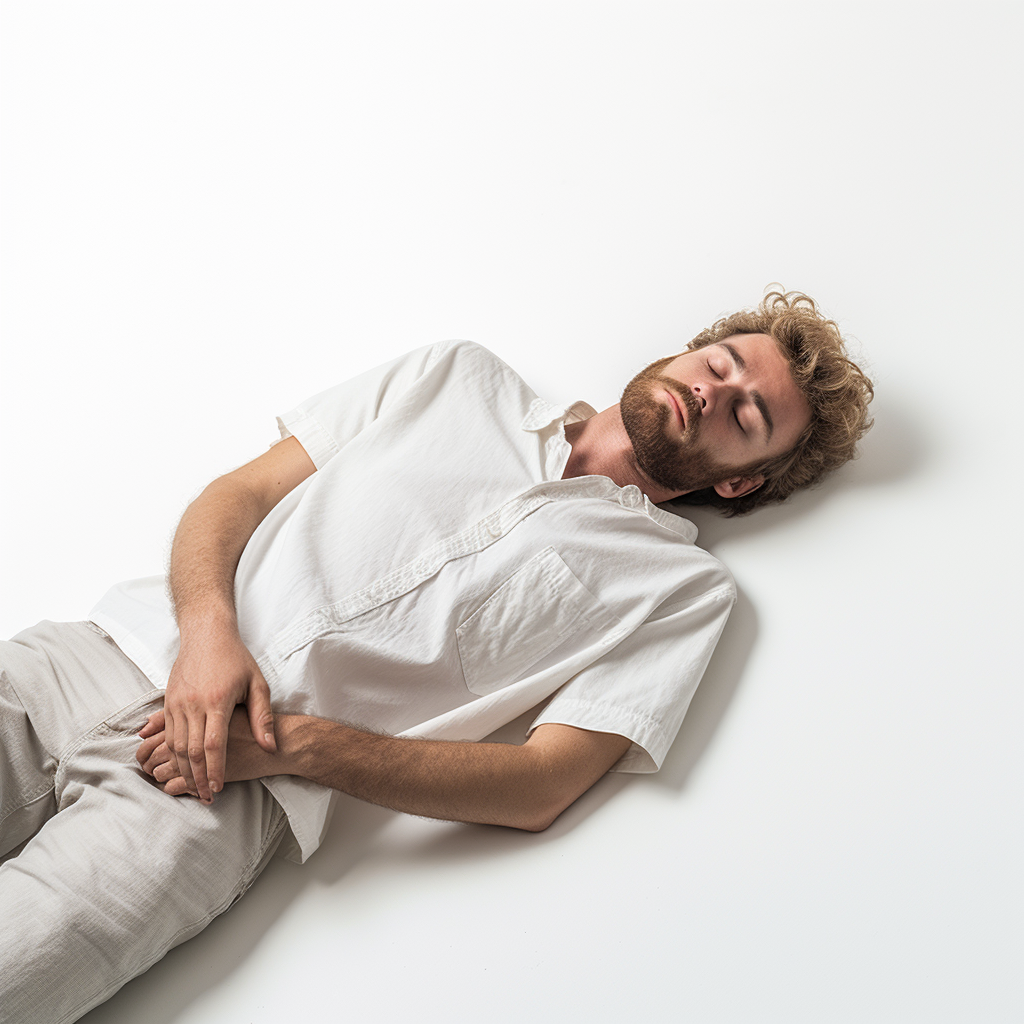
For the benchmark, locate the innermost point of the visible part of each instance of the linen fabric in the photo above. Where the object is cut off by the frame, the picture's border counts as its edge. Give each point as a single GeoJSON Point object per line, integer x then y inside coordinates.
{"type": "Point", "coordinates": [435, 577]}
{"type": "Point", "coordinates": [102, 872]}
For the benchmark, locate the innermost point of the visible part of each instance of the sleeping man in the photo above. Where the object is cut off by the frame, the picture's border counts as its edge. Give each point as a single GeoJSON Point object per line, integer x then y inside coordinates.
{"type": "Point", "coordinates": [429, 551]}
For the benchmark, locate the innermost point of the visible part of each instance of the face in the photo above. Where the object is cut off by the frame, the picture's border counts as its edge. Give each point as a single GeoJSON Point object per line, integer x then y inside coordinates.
{"type": "Point", "coordinates": [710, 417]}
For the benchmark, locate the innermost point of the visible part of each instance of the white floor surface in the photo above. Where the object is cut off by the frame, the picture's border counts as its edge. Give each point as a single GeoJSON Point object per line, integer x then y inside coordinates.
{"type": "Point", "coordinates": [212, 210]}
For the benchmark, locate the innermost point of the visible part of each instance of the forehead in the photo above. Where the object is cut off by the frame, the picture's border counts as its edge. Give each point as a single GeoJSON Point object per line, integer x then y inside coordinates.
{"type": "Point", "coordinates": [762, 358]}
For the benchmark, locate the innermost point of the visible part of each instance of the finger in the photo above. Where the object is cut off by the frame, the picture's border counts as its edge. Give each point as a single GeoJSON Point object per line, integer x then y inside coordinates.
{"type": "Point", "coordinates": [261, 715]}
{"type": "Point", "coordinates": [166, 771]}
{"type": "Point", "coordinates": [169, 726]}
{"type": "Point", "coordinates": [216, 749]}
{"type": "Point", "coordinates": [197, 756]}
{"type": "Point", "coordinates": [176, 787]}
{"type": "Point", "coordinates": [154, 724]}
{"type": "Point", "coordinates": [153, 752]}
{"type": "Point", "coordinates": [162, 755]}
{"type": "Point", "coordinates": [180, 745]}
{"type": "Point", "coordinates": [149, 747]}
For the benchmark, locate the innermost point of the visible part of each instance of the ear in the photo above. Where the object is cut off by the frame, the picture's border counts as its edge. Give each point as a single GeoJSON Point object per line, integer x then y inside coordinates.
{"type": "Point", "coordinates": [738, 486]}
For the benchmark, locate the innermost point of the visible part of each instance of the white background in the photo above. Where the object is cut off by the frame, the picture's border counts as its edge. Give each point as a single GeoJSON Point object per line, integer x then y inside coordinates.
{"type": "Point", "coordinates": [213, 210]}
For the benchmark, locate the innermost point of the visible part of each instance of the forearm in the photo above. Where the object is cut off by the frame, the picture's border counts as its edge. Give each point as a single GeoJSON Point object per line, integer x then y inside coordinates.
{"type": "Point", "coordinates": [204, 555]}
{"type": "Point", "coordinates": [487, 783]}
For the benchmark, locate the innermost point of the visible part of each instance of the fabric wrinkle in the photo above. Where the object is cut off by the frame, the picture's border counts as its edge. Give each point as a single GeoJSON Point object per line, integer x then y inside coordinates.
{"type": "Point", "coordinates": [362, 623]}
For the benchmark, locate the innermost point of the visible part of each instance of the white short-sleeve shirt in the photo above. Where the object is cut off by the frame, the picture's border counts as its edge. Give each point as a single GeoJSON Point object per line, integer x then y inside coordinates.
{"type": "Point", "coordinates": [437, 578]}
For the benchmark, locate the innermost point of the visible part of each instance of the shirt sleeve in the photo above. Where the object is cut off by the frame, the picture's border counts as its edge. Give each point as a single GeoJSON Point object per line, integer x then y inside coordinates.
{"type": "Point", "coordinates": [643, 686]}
{"type": "Point", "coordinates": [325, 423]}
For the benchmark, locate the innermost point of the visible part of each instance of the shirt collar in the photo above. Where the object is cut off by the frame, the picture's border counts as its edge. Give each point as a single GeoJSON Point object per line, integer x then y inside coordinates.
{"type": "Point", "coordinates": [543, 414]}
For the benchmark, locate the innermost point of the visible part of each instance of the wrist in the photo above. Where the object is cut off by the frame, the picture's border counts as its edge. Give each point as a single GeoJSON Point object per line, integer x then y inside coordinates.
{"type": "Point", "coordinates": [315, 748]}
{"type": "Point", "coordinates": [198, 621]}
{"type": "Point", "coordinates": [294, 734]}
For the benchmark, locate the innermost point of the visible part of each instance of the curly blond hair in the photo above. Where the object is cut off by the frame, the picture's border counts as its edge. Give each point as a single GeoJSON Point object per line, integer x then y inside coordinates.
{"type": "Point", "coordinates": [836, 389]}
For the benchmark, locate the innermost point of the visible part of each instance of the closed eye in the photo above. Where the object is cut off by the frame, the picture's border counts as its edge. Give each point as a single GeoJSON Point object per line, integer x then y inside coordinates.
{"type": "Point", "coordinates": [735, 414]}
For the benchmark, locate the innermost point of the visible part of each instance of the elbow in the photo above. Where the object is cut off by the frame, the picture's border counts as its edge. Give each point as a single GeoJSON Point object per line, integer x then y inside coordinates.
{"type": "Point", "coordinates": [534, 824]}
{"type": "Point", "coordinates": [546, 804]}
{"type": "Point", "coordinates": [540, 818]}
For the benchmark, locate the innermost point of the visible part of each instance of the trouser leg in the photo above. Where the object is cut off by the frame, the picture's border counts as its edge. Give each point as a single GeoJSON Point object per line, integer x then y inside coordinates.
{"type": "Point", "coordinates": [57, 680]}
{"type": "Point", "coordinates": [26, 772]}
{"type": "Point", "coordinates": [120, 875]}
{"type": "Point", "coordinates": [119, 872]}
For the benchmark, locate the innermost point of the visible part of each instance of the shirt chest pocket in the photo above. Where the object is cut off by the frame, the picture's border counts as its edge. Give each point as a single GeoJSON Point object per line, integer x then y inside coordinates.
{"type": "Point", "coordinates": [536, 609]}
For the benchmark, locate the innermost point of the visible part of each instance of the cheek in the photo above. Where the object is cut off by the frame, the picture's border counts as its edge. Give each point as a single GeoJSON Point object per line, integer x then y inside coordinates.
{"type": "Point", "coordinates": [679, 367]}
{"type": "Point", "coordinates": [725, 446]}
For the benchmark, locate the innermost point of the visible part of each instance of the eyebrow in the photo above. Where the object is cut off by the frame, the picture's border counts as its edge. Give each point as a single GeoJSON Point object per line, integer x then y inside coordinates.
{"type": "Point", "coordinates": [762, 405]}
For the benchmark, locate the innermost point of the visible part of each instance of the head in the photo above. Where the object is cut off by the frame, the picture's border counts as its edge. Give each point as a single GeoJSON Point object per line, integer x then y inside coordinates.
{"type": "Point", "coordinates": [760, 404]}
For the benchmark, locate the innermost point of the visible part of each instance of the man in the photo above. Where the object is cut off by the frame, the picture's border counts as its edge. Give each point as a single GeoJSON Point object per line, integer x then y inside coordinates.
{"type": "Point", "coordinates": [430, 551]}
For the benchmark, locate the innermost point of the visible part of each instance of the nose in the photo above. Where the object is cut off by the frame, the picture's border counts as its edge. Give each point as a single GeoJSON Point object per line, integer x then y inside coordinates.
{"type": "Point", "coordinates": [711, 393]}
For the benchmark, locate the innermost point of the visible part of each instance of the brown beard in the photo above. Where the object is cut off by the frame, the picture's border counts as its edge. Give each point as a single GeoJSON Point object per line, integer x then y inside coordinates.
{"type": "Point", "coordinates": [676, 463]}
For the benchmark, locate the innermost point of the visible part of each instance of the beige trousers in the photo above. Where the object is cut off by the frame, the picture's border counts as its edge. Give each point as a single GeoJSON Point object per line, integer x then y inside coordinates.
{"type": "Point", "coordinates": [102, 873]}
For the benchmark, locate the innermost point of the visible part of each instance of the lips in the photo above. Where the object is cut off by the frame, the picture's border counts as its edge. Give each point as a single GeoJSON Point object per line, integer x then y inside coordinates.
{"type": "Point", "coordinates": [678, 406]}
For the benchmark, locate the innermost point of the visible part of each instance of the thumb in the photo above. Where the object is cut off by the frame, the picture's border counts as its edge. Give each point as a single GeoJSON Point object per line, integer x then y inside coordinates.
{"type": "Point", "coordinates": [261, 716]}
{"type": "Point", "coordinates": [154, 724]}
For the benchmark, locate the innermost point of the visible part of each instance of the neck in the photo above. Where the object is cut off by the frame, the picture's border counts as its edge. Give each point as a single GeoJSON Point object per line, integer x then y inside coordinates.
{"type": "Point", "coordinates": [601, 447]}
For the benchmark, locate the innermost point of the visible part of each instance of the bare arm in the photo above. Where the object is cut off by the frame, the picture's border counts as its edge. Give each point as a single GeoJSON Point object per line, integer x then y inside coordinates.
{"type": "Point", "coordinates": [524, 787]}
{"type": "Point", "coordinates": [214, 671]}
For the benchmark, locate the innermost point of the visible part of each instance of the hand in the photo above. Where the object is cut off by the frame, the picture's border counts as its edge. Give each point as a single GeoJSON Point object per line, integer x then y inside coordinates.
{"type": "Point", "coordinates": [246, 759]}
{"type": "Point", "coordinates": [212, 675]}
